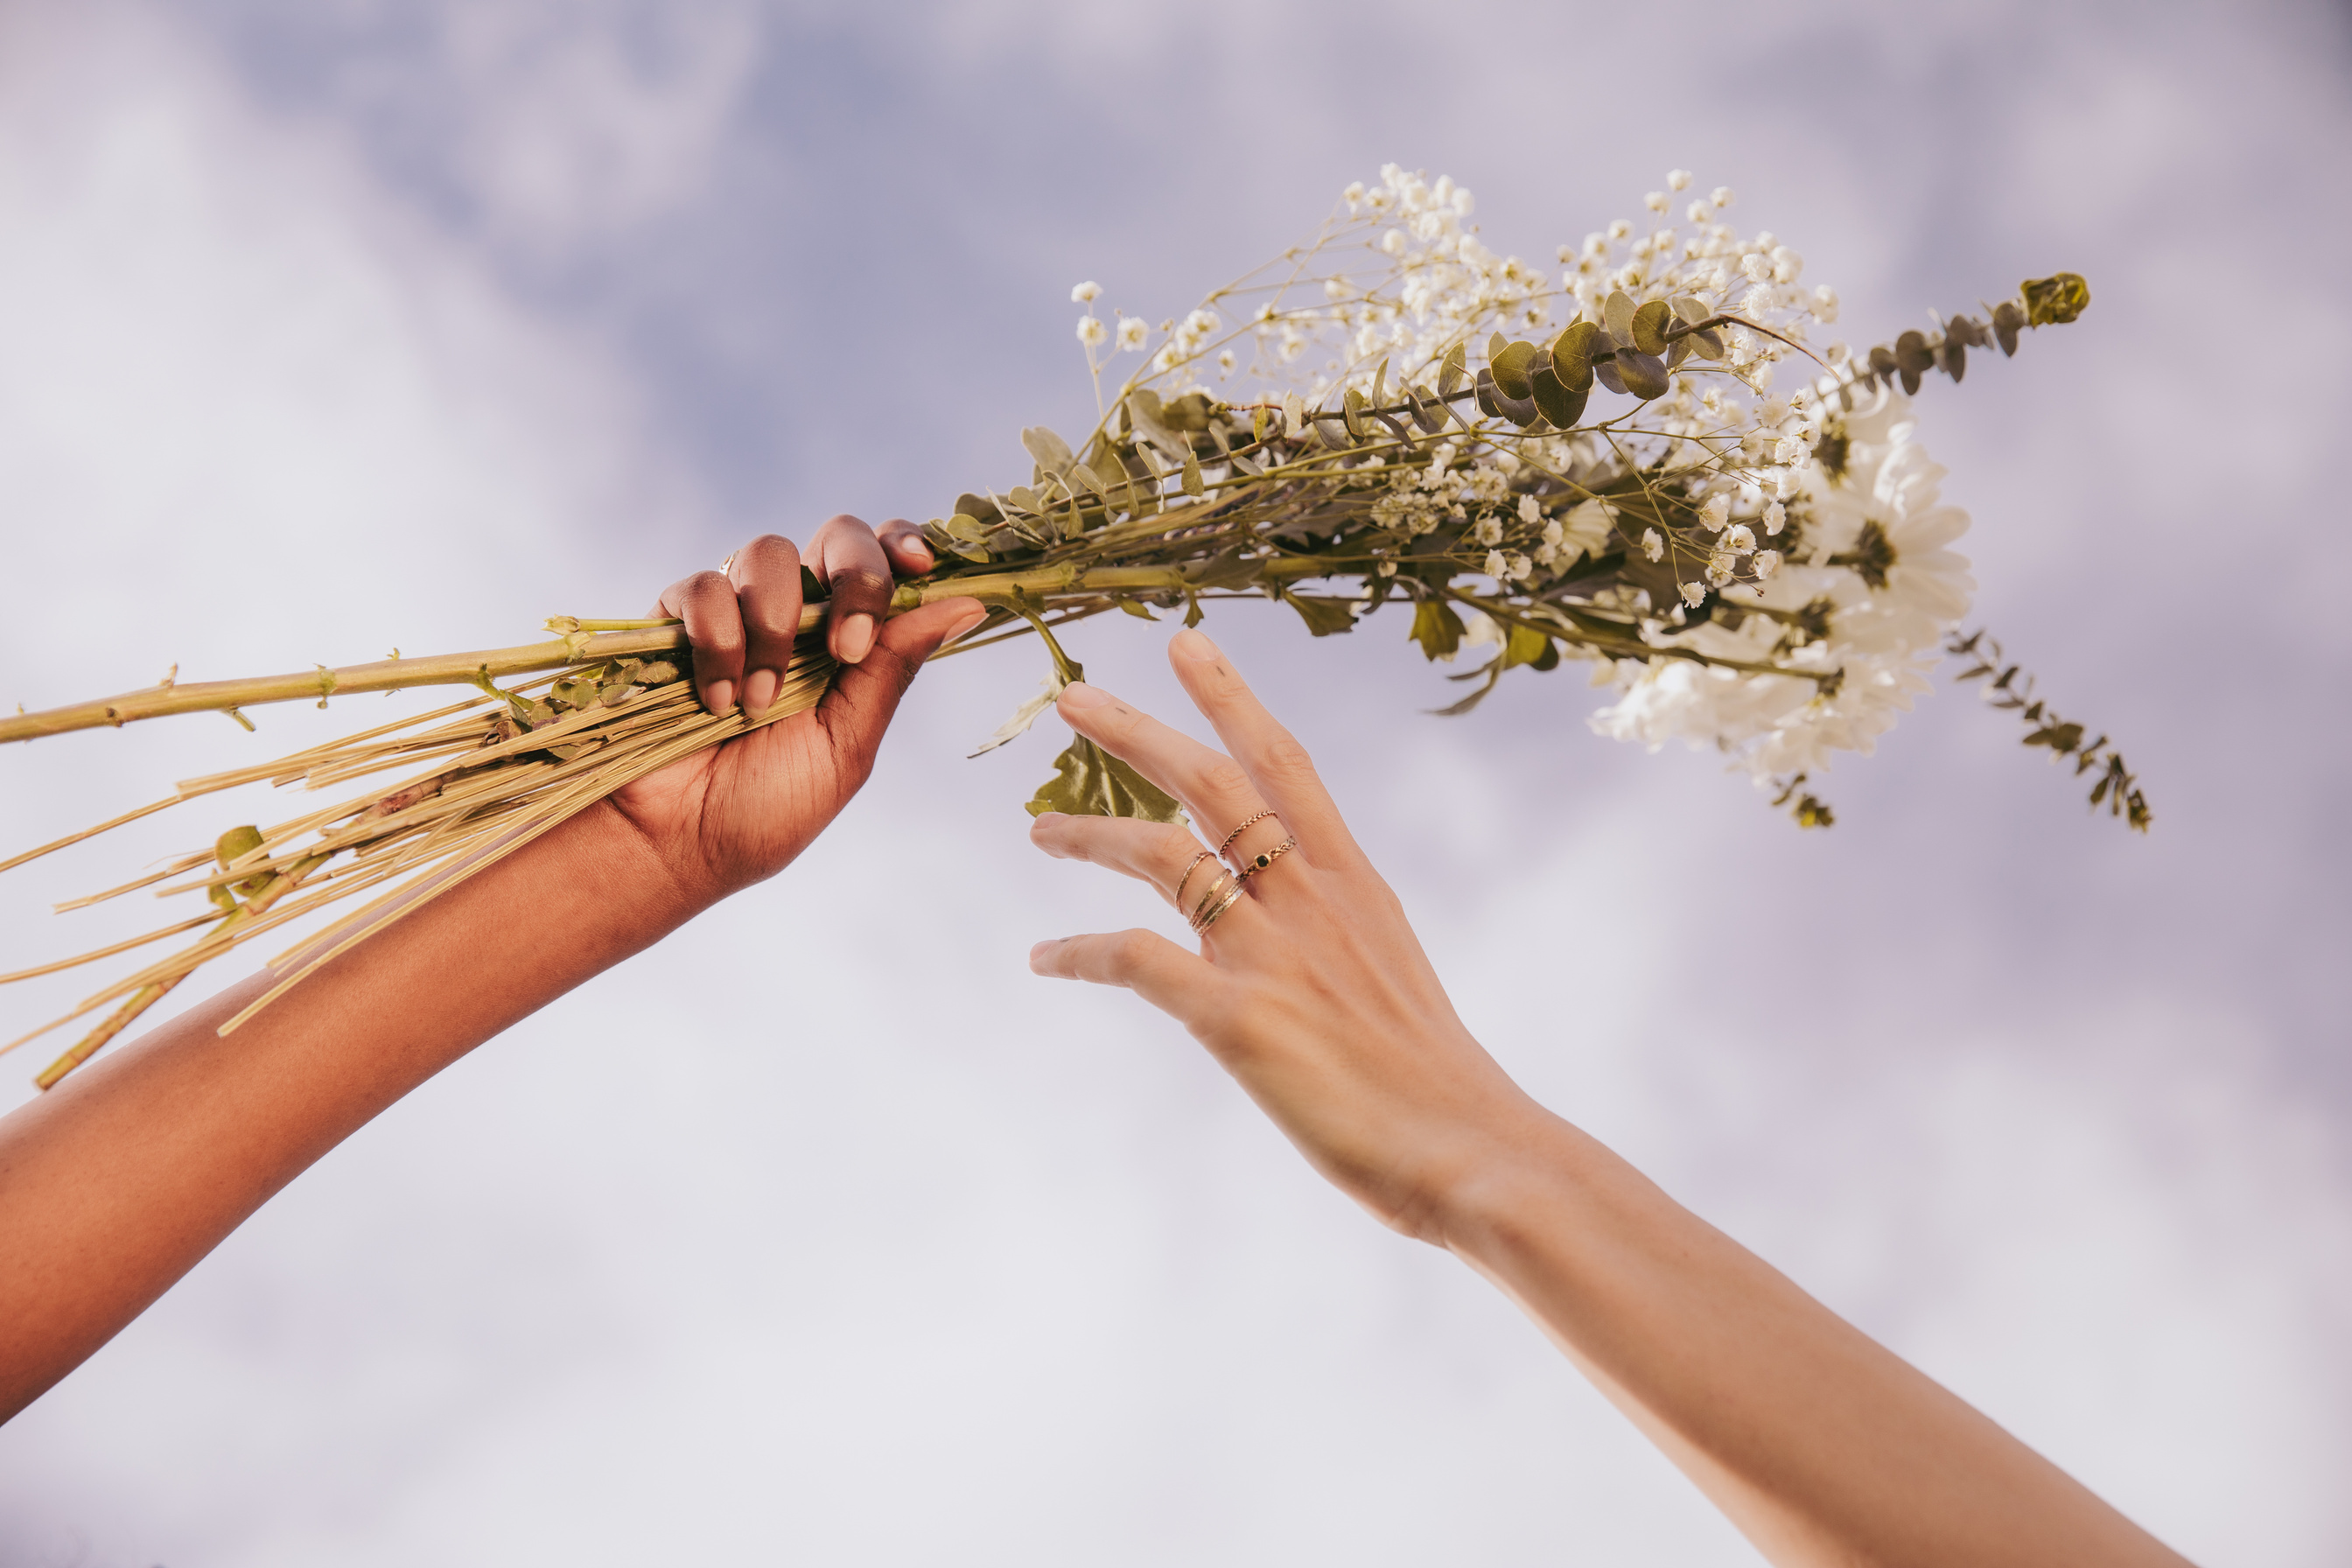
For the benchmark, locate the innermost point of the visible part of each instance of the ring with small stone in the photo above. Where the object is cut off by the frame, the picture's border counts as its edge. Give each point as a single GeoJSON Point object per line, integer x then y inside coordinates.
{"type": "Point", "coordinates": [1257, 863]}
{"type": "Point", "coordinates": [1236, 833]}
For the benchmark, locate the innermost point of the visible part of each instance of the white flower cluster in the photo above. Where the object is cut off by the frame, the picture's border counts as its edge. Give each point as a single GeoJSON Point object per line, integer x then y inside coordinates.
{"type": "Point", "coordinates": [1791, 541]}
{"type": "Point", "coordinates": [1870, 601]}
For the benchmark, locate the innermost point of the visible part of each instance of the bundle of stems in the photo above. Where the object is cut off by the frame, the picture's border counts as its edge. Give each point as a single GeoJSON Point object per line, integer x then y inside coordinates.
{"type": "Point", "coordinates": [1764, 572]}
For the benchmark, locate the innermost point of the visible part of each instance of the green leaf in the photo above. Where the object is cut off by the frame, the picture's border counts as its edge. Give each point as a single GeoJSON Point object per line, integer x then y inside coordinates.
{"type": "Point", "coordinates": [1450, 372]}
{"type": "Point", "coordinates": [2055, 300]}
{"type": "Point", "coordinates": [1053, 453]}
{"type": "Point", "coordinates": [235, 843]}
{"type": "Point", "coordinates": [1644, 375]}
{"type": "Point", "coordinates": [1352, 408]}
{"type": "Point", "coordinates": [1135, 608]}
{"type": "Point", "coordinates": [1436, 628]}
{"type": "Point", "coordinates": [1557, 404]}
{"type": "Point", "coordinates": [1571, 357]}
{"type": "Point", "coordinates": [1089, 782]}
{"type": "Point", "coordinates": [1324, 616]}
{"type": "Point", "coordinates": [1192, 485]}
{"type": "Point", "coordinates": [1618, 311]}
{"type": "Point", "coordinates": [1514, 369]}
{"type": "Point", "coordinates": [1650, 324]}
{"type": "Point", "coordinates": [1527, 645]}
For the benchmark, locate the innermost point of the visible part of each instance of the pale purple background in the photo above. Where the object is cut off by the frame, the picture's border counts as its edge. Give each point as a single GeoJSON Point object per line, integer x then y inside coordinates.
{"type": "Point", "coordinates": [824, 1232]}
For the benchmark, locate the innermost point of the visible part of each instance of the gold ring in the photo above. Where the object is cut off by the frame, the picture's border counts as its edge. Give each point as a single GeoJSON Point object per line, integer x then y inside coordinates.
{"type": "Point", "coordinates": [1257, 863]}
{"type": "Point", "coordinates": [1177, 898]}
{"type": "Point", "coordinates": [1238, 832]}
{"type": "Point", "coordinates": [1208, 915]}
{"type": "Point", "coordinates": [1210, 897]}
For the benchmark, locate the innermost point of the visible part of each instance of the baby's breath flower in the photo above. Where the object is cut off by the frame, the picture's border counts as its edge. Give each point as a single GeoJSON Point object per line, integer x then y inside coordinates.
{"type": "Point", "coordinates": [1678, 179]}
{"type": "Point", "coordinates": [1530, 512]}
{"type": "Point", "coordinates": [1776, 517]}
{"type": "Point", "coordinates": [1620, 229]}
{"type": "Point", "coordinates": [1740, 541]}
{"type": "Point", "coordinates": [1767, 561]}
{"type": "Point", "coordinates": [1714, 512]}
{"type": "Point", "coordinates": [1653, 545]}
{"type": "Point", "coordinates": [1825, 311]}
{"type": "Point", "coordinates": [1693, 594]}
{"type": "Point", "coordinates": [1086, 293]}
{"type": "Point", "coordinates": [1494, 566]}
{"type": "Point", "coordinates": [1657, 201]}
{"type": "Point", "coordinates": [1132, 332]}
{"type": "Point", "coordinates": [1226, 361]}
{"type": "Point", "coordinates": [1517, 567]}
{"type": "Point", "coordinates": [1722, 197]}
{"type": "Point", "coordinates": [1091, 331]}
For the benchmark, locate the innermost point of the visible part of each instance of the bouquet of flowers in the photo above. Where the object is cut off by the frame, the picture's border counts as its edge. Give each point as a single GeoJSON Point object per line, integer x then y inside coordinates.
{"type": "Point", "coordinates": [1641, 462]}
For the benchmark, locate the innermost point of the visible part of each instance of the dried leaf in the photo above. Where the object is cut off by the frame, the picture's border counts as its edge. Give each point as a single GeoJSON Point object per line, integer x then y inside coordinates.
{"type": "Point", "coordinates": [1053, 453]}
{"type": "Point", "coordinates": [2055, 300]}
{"type": "Point", "coordinates": [1618, 313]}
{"type": "Point", "coordinates": [1089, 782]}
{"type": "Point", "coordinates": [1437, 629]}
{"type": "Point", "coordinates": [1324, 616]}
{"type": "Point", "coordinates": [1013, 728]}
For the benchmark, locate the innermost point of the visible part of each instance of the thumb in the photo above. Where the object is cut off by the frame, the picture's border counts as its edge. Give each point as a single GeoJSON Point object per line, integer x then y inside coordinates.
{"type": "Point", "coordinates": [865, 695]}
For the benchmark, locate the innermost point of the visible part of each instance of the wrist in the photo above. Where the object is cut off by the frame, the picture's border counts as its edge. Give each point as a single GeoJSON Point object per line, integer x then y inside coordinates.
{"type": "Point", "coordinates": [1523, 1166]}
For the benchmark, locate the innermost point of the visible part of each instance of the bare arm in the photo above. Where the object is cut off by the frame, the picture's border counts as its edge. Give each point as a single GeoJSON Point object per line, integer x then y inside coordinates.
{"type": "Point", "coordinates": [1821, 1446]}
{"type": "Point", "coordinates": [116, 1183]}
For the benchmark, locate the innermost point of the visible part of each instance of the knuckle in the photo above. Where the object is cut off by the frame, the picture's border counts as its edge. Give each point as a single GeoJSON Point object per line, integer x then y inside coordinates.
{"type": "Point", "coordinates": [1286, 759]}
{"type": "Point", "coordinates": [1130, 951]}
{"type": "Point", "coordinates": [1176, 843]}
{"type": "Point", "coordinates": [1225, 776]}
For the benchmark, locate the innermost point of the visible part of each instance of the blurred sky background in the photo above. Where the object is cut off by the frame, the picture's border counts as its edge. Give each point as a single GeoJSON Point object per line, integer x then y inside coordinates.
{"type": "Point", "coordinates": [825, 1234]}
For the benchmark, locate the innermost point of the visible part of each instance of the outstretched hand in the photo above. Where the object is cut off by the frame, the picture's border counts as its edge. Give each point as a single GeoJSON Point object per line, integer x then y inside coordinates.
{"type": "Point", "coordinates": [1311, 989]}
{"type": "Point", "coordinates": [728, 816]}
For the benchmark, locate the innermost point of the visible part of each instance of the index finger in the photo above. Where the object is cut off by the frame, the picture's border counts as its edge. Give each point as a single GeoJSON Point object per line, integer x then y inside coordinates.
{"type": "Point", "coordinates": [1284, 775]}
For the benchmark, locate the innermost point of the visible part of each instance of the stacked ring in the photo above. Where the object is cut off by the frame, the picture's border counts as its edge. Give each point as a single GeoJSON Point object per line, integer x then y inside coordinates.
{"type": "Point", "coordinates": [1222, 895]}
{"type": "Point", "coordinates": [1260, 862]}
{"type": "Point", "coordinates": [1177, 898]}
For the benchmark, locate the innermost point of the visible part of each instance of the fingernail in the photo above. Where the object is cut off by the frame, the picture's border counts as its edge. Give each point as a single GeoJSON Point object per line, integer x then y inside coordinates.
{"type": "Point", "coordinates": [1037, 953]}
{"type": "Point", "coordinates": [1191, 645]}
{"type": "Point", "coordinates": [759, 691]}
{"type": "Point", "coordinates": [1079, 695]}
{"type": "Point", "coordinates": [721, 697]}
{"type": "Point", "coordinates": [917, 551]}
{"type": "Point", "coordinates": [964, 623]}
{"type": "Point", "coordinates": [855, 640]}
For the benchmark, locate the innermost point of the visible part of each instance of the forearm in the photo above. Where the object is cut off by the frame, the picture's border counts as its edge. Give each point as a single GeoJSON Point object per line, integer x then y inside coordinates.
{"type": "Point", "coordinates": [119, 1181]}
{"type": "Point", "coordinates": [1824, 1446]}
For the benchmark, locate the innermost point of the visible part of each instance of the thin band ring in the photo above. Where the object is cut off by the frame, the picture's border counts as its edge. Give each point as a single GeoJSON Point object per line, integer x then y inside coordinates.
{"type": "Point", "coordinates": [1177, 898]}
{"type": "Point", "coordinates": [1210, 897]}
{"type": "Point", "coordinates": [1257, 863]}
{"type": "Point", "coordinates": [1238, 832]}
{"type": "Point", "coordinates": [1212, 915]}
